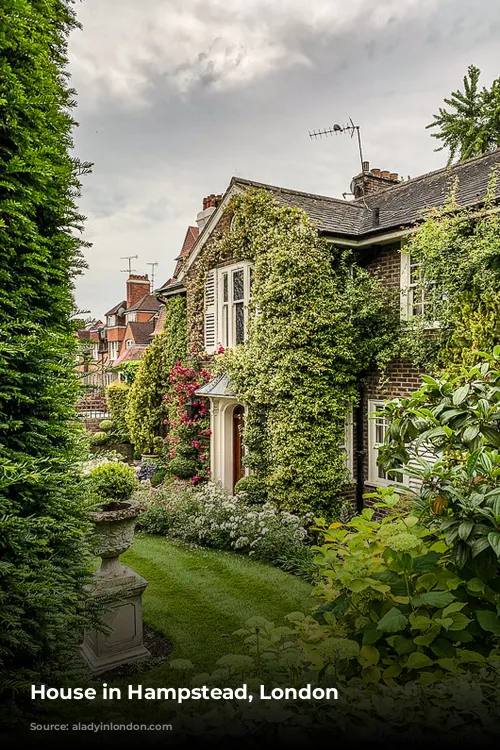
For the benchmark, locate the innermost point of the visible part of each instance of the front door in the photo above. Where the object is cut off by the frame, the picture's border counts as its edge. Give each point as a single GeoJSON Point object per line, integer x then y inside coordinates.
{"type": "Point", "coordinates": [238, 469]}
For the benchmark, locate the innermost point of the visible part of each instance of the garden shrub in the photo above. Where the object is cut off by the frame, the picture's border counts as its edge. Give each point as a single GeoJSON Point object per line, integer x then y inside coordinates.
{"type": "Point", "coordinates": [146, 470]}
{"type": "Point", "coordinates": [115, 481]}
{"type": "Point", "coordinates": [182, 468]}
{"type": "Point", "coordinates": [99, 438]}
{"type": "Point", "coordinates": [145, 413]}
{"type": "Point", "coordinates": [252, 489]}
{"type": "Point", "coordinates": [209, 516]}
{"type": "Point", "coordinates": [117, 395]}
{"type": "Point", "coordinates": [106, 425]}
{"type": "Point", "coordinates": [157, 477]}
{"type": "Point", "coordinates": [158, 445]}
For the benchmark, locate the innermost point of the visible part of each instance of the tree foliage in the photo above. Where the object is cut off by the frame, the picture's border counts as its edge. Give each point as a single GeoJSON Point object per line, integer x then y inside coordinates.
{"type": "Point", "coordinates": [145, 404]}
{"type": "Point", "coordinates": [471, 125]}
{"type": "Point", "coordinates": [117, 395]}
{"type": "Point", "coordinates": [44, 558]}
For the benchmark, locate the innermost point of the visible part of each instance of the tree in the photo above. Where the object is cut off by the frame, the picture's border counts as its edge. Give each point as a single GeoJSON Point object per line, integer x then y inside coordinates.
{"type": "Point", "coordinates": [145, 412]}
{"type": "Point", "coordinates": [472, 127]}
{"type": "Point", "coordinates": [44, 556]}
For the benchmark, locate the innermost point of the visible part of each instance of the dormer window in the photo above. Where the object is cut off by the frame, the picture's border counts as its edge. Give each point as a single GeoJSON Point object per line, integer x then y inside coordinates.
{"type": "Point", "coordinates": [128, 343]}
{"type": "Point", "coordinates": [111, 321]}
{"type": "Point", "coordinates": [131, 317]}
{"type": "Point", "coordinates": [227, 294]}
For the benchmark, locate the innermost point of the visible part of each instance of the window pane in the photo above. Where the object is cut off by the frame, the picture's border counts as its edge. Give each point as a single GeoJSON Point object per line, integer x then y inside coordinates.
{"type": "Point", "coordinates": [238, 285]}
{"type": "Point", "coordinates": [225, 324]}
{"type": "Point", "coordinates": [239, 313]}
{"type": "Point", "coordinates": [225, 290]}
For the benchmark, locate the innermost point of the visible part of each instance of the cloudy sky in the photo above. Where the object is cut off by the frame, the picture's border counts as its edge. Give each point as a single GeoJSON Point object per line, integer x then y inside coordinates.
{"type": "Point", "coordinates": [175, 97]}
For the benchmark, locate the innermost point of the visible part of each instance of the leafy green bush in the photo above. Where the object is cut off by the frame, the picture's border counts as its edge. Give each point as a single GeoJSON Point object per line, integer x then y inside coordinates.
{"type": "Point", "coordinates": [115, 481]}
{"type": "Point", "coordinates": [455, 425]}
{"type": "Point", "coordinates": [158, 445]}
{"type": "Point", "coordinates": [182, 468]}
{"type": "Point", "coordinates": [209, 516]}
{"type": "Point", "coordinates": [252, 489]}
{"type": "Point", "coordinates": [157, 477]}
{"type": "Point", "coordinates": [117, 395]}
{"type": "Point", "coordinates": [99, 438]}
{"type": "Point", "coordinates": [106, 425]}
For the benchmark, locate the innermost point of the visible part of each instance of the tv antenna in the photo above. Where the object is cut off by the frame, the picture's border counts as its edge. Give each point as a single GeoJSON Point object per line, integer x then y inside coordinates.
{"type": "Point", "coordinates": [153, 265]}
{"type": "Point", "coordinates": [352, 129]}
{"type": "Point", "coordinates": [129, 258]}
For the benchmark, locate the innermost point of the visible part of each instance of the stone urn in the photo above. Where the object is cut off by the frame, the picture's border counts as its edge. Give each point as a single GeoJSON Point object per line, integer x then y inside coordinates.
{"type": "Point", "coordinates": [118, 588]}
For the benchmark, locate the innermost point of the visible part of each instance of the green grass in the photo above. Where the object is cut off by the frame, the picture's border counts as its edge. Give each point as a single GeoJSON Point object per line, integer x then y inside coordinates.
{"type": "Point", "coordinates": [198, 597]}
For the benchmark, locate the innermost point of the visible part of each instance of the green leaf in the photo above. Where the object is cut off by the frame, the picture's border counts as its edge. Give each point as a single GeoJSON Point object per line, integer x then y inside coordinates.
{"type": "Point", "coordinates": [425, 563]}
{"type": "Point", "coordinates": [393, 621]}
{"type": "Point", "coordinates": [418, 661]}
{"type": "Point", "coordinates": [464, 530]}
{"type": "Point", "coordinates": [393, 671]}
{"type": "Point", "coordinates": [461, 394]}
{"type": "Point", "coordinates": [368, 656]}
{"type": "Point", "coordinates": [402, 645]}
{"type": "Point", "coordinates": [489, 621]}
{"type": "Point", "coordinates": [434, 599]}
{"type": "Point", "coordinates": [494, 542]}
{"type": "Point", "coordinates": [470, 657]}
{"type": "Point", "coordinates": [470, 433]}
{"type": "Point", "coordinates": [460, 621]}
{"type": "Point", "coordinates": [476, 586]}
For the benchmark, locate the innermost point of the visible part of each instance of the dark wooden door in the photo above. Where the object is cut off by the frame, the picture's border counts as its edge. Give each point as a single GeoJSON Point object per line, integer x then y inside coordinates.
{"type": "Point", "coordinates": [238, 469]}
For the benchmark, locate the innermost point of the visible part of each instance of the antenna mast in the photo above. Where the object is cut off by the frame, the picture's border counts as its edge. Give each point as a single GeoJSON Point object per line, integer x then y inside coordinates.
{"type": "Point", "coordinates": [128, 258]}
{"type": "Point", "coordinates": [350, 128]}
{"type": "Point", "coordinates": [153, 266]}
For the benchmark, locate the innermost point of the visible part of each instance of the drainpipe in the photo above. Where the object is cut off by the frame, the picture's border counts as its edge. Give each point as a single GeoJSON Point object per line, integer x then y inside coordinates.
{"type": "Point", "coordinates": [360, 453]}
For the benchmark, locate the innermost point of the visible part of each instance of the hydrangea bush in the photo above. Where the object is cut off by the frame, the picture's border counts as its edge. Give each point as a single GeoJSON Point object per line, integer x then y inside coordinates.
{"type": "Point", "coordinates": [210, 516]}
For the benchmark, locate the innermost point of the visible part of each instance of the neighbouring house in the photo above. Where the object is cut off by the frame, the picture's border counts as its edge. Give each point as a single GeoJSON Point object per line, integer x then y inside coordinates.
{"type": "Point", "coordinates": [91, 358]}
{"type": "Point", "coordinates": [375, 225]}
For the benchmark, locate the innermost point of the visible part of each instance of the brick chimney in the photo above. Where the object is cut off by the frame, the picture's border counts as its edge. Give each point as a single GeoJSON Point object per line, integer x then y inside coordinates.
{"type": "Point", "coordinates": [137, 287]}
{"type": "Point", "coordinates": [210, 204]}
{"type": "Point", "coordinates": [374, 180]}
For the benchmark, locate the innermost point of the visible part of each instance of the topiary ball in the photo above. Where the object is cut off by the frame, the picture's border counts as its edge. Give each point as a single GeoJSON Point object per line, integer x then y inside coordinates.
{"type": "Point", "coordinates": [99, 438]}
{"type": "Point", "coordinates": [106, 425]}
{"type": "Point", "coordinates": [112, 480]}
{"type": "Point", "coordinates": [253, 490]}
{"type": "Point", "coordinates": [182, 468]}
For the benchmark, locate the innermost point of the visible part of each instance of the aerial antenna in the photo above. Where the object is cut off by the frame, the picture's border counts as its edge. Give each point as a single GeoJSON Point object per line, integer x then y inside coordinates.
{"type": "Point", "coordinates": [153, 265]}
{"type": "Point", "coordinates": [129, 258]}
{"type": "Point", "coordinates": [352, 129]}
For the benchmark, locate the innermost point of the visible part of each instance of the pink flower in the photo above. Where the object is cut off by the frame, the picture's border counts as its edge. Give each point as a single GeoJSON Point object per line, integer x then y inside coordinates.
{"type": "Point", "coordinates": [220, 349]}
{"type": "Point", "coordinates": [196, 479]}
{"type": "Point", "coordinates": [165, 421]}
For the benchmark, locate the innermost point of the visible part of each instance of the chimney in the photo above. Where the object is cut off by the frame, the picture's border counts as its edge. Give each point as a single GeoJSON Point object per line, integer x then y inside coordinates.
{"type": "Point", "coordinates": [373, 180]}
{"type": "Point", "coordinates": [210, 204]}
{"type": "Point", "coordinates": [137, 287]}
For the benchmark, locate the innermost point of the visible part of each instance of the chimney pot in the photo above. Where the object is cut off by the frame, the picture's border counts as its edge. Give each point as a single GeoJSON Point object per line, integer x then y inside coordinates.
{"type": "Point", "coordinates": [394, 176]}
{"type": "Point", "coordinates": [385, 173]}
{"type": "Point", "coordinates": [376, 172]}
{"type": "Point", "coordinates": [366, 166]}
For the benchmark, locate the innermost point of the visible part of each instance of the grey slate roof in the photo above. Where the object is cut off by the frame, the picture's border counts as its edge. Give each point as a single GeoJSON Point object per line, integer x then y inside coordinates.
{"type": "Point", "coordinates": [148, 303]}
{"type": "Point", "coordinates": [399, 205]}
{"type": "Point", "coordinates": [217, 387]}
{"type": "Point", "coordinates": [142, 331]}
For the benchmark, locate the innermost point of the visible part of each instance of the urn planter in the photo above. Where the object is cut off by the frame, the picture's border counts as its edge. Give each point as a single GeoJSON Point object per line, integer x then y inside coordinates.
{"type": "Point", "coordinates": [120, 590]}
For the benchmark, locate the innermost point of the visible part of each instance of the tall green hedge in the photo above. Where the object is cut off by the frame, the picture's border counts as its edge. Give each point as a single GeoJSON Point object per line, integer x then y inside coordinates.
{"type": "Point", "coordinates": [43, 556]}
{"type": "Point", "coordinates": [145, 413]}
{"type": "Point", "coordinates": [117, 399]}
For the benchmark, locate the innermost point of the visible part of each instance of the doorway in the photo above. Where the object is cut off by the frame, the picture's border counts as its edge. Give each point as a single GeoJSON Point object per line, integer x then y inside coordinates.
{"type": "Point", "coordinates": [238, 452]}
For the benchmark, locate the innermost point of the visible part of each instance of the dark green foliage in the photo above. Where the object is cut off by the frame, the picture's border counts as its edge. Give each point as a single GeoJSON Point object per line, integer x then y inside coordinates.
{"type": "Point", "coordinates": [112, 480]}
{"type": "Point", "coordinates": [182, 468]}
{"type": "Point", "coordinates": [99, 438]}
{"type": "Point", "coordinates": [117, 395]}
{"type": "Point", "coordinates": [471, 126]}
{"type": "Point", "coordinates": [145, 413]}
{"type": "Point", "coordinates": [158, 477]}
{"type": "Point", "coordinates": [42, 506]}
{"type": "Point", "coordinates": [254, 490]}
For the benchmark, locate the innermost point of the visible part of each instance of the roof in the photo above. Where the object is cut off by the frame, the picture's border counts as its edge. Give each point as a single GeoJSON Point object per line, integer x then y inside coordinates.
{"type": "Point", "coordinates": [148, 303]}
{"type": "Point", "coordinates": [141, 331]}
{"type": "Point", "coordinates": [115, 309]}
{"type": "Point", "coordinates": [332, 214]}
{"type": "Point", "coordinates": [132, 354]}
{"type": "Point", "coordinates": [189, 240]}
{"type": "Point", "coordinates": [406, 202]}
{"type": "Point", "coordinates": [160, 321]}
{"type": "Point", "coordinates": [219, 386]}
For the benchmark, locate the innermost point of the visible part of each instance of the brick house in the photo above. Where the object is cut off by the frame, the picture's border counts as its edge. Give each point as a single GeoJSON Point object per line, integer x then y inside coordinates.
{"type": "Point", "coordinates": [374, 225]}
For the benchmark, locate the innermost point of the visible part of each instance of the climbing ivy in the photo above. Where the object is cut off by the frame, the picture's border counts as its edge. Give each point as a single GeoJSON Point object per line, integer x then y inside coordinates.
{"type": "Point", "coordinates": [145, 413]}
{"type": "Point", "coordinates": [459, 252]}
{"type": "Point", "coordinates": [321, 322]}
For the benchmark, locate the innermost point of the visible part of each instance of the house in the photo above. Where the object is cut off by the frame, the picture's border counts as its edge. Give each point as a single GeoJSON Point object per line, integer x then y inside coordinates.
{"type": "Point", "coordinates": [375, 225]}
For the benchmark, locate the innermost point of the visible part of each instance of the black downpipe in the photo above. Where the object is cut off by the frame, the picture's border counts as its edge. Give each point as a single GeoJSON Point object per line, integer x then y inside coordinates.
{"type": "Point", "coordinates": [360, 453]}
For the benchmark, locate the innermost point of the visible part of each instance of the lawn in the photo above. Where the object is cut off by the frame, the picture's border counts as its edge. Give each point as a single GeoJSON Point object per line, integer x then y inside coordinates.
{"type": "Point", "coordinates": [198, 597]}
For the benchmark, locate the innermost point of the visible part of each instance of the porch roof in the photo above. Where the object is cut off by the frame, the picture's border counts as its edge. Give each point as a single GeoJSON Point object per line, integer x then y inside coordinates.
{"type": "Point", "coordinates": [218, 387]}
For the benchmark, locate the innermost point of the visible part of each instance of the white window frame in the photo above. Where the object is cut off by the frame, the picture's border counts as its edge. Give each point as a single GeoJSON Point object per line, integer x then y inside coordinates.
{"type": "Point", "coordinates": [111, 321]}
{"type": "Point", "coordinates": [410, 288]}
{"type": "Point", "coordinates": [373, 450]}
{"type": "Point", "coordinates": [129, 343]}
{"type": "Point", "coordinates": [113, 350]}
{"type": "Point", "coordinates": [220, 314]}
{"type": "Point", "coordinates": [131, 317]}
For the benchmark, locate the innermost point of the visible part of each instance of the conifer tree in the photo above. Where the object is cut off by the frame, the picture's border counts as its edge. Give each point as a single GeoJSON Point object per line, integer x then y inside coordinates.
{"type": "Point", "coordinates": [471, 126]}
{"type": "Point", "coordinates": [43, 522]}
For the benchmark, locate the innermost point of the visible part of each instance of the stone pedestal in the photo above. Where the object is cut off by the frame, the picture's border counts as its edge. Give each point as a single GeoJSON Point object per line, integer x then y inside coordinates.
{"type": "Point", "coordinates": [123, 615]}
{"type": "Point", "coordinates": [120, 589]}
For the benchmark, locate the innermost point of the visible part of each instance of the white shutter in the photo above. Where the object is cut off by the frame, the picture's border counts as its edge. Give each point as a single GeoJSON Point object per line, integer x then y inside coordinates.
{"type": "Point", "coordinates": [404, 288]}
{"type": "Point", "coordinates": [211, 312]}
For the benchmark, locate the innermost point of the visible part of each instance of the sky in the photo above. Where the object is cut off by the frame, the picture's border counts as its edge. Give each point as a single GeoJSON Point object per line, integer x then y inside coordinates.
{"type": "Point", "coordinates": [175, 97]}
